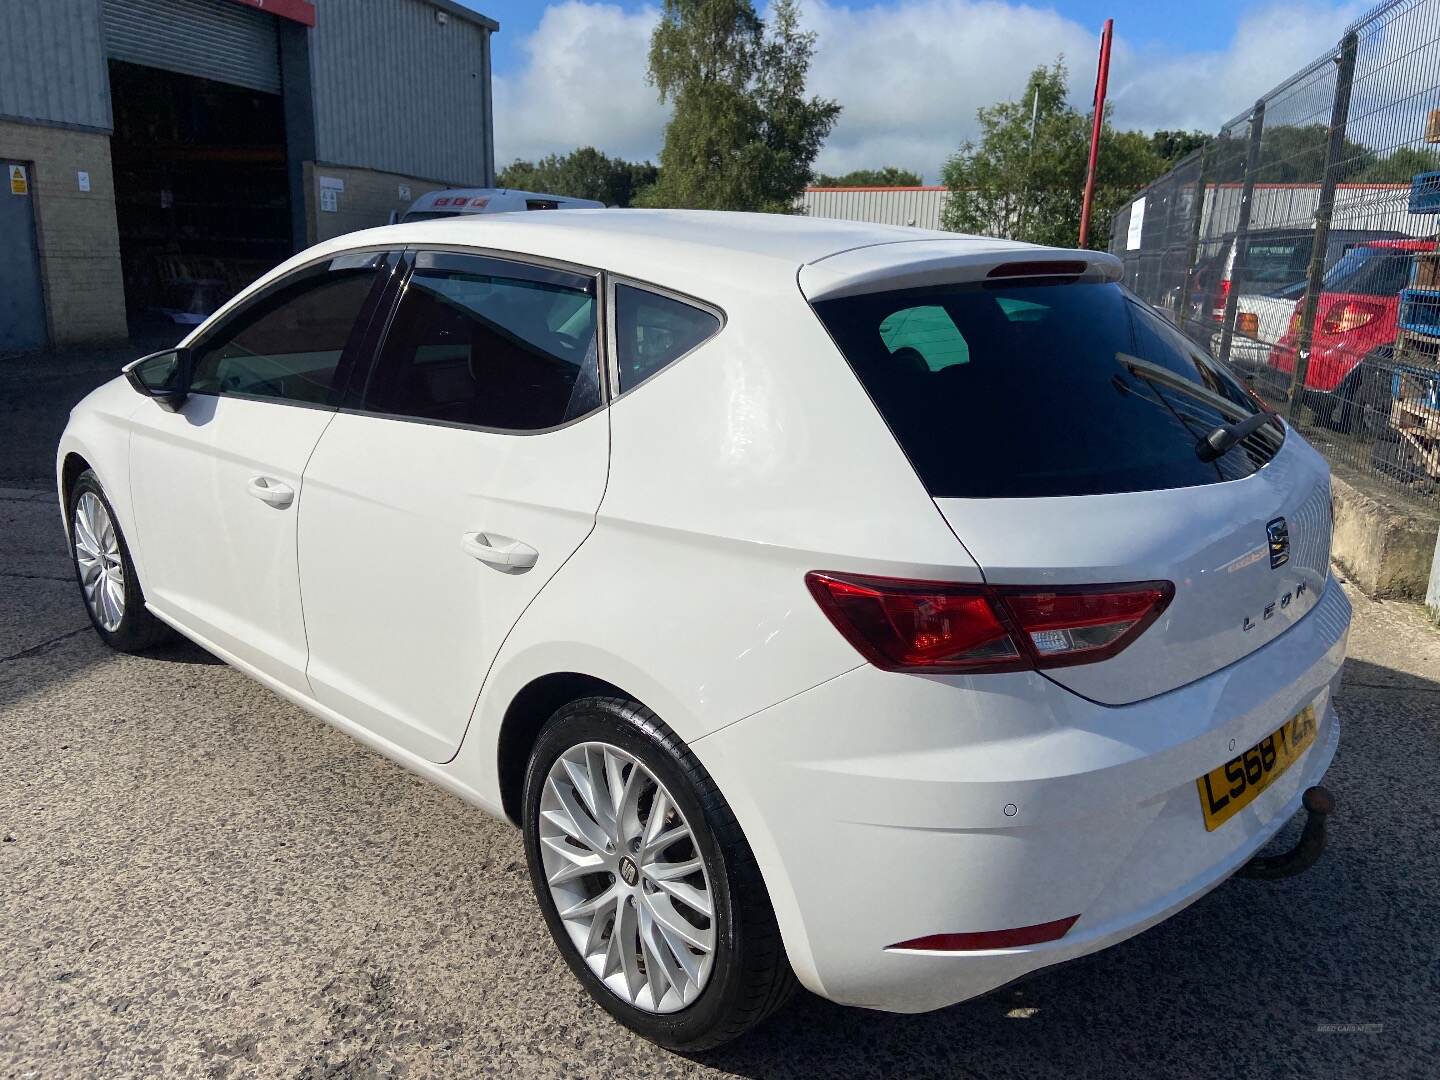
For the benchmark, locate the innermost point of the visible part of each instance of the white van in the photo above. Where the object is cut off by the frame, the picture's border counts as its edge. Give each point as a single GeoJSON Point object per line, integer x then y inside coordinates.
{"type": "Point", "coordinates": [457, 201]}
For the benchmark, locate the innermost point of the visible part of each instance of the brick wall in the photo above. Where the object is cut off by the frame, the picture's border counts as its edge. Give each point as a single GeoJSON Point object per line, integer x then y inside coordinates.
{"type": "Point", "coordinates": [367, 200]}
{"type": "Point", "coordinates": [78, 238]}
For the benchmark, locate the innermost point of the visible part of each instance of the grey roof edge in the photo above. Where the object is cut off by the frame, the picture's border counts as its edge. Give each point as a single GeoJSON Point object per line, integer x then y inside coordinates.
{"type": "Point", "coordinates": [450, 7]}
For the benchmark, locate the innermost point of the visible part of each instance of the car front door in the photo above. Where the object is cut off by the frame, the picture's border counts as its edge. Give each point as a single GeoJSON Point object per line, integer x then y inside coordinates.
{"type": "Point", "coordinates": [216, 483]}
{"type": "Point", "coordinates": [463, 471]}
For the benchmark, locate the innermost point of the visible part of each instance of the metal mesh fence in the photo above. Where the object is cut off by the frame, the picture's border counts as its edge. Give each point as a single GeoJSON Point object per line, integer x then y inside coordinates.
{"type": "Point", "coordinates": [1300, 247]}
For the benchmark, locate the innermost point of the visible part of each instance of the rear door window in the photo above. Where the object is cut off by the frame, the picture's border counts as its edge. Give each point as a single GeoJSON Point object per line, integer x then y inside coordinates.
{"type": "Point", "coordinates": [489, 343]}
{"type": "Point", "coordinates": [1064, 389]}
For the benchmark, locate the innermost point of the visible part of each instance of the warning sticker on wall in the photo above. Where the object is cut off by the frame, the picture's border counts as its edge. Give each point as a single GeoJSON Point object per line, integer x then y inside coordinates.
{"type": "Point", "coordinates": [19, 181]}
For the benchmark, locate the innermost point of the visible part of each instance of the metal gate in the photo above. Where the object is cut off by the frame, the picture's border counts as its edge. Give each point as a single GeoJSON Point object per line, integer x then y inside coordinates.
{"type": "Point", "coordinates": [22, 302]}
{"type": "Point", "coordinates": [214, 39]}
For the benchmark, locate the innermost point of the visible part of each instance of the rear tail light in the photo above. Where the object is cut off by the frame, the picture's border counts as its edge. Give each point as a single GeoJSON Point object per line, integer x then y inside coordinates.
{"type": "Point", "coordinates": [941, 627]}
{"type": "Point", "coordinates": [1347, 315]}
{"type": "Point", "coordinates": [1219, 311]}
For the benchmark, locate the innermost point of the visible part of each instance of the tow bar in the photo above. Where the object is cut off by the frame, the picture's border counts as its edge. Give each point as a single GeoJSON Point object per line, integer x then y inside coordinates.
{"type": "Point", "coordinates": [1319, 804]}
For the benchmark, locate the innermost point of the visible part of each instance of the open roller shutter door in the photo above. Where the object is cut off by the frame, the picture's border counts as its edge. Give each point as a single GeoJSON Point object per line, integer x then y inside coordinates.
{"type": "Point", "coordinates": [214, 39]}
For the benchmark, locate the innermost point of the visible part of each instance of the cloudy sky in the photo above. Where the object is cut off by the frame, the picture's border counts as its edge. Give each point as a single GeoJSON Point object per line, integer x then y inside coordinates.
{"type": "Point", "coordinates": [909, 73]}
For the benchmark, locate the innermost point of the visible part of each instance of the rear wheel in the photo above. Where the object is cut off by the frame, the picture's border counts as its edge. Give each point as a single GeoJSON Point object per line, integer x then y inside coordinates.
{"type": "Point", "coordinates": [645, 880]}
{"type": "Point", "coordinates": [1363, 403]}
{"type": "Point", "coordinates": [108, 583]}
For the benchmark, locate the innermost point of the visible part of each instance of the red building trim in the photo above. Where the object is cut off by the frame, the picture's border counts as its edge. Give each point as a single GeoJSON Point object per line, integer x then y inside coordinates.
{"type": "Point", "coordinates": [301, 11]}
{"type": "Point", "coordinates": [931, 187]}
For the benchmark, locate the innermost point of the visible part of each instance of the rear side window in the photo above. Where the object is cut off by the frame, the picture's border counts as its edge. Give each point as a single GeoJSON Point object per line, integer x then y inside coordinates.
{"type": "Point", "coordinates": [1064, 389]}
{"type": "Point", "coordinates": [654, 330]}
{"type": "Point", "coordinates": [489, 343]}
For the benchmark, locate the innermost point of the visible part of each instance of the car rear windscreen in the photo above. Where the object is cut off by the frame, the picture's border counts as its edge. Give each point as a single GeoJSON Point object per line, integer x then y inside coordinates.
{"type": "Point", "coordinates": [1027, 390]}
{"type": "Point", "coordinates": [429, 215]}
{"type": "Point", "coordinates": [1370, 271]}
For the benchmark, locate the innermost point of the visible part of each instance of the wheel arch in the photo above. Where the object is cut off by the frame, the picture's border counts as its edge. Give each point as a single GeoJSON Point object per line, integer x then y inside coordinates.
{"type": "Point", "coordinates": [535, 703]}
{"type": "Point", "coordinates": [71, 466]}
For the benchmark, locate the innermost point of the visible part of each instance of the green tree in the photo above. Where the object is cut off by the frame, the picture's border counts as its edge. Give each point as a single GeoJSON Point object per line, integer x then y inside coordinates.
{"type": "Point", "coordinates": [1013, 186]}
{"type": "Point", "coordinates": [1400, 166]}
{"type": "Point", "coordinates": [743, 135]}
{"type": "Point", "coordinates": [1172, 146]}
{"type": "Point", "coordinates": [585, 173]}
{"type": "Point", "coordinates": [889, 176]}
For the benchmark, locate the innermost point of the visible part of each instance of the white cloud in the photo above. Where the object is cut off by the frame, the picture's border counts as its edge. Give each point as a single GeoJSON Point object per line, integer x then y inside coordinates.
{"type": "Point", "coordinates": [582, 84]}
{"type": "Point", "coordinates": [909, 73]}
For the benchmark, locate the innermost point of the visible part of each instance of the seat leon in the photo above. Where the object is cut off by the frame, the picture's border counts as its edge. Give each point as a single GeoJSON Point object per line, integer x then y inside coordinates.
{"type": "Point", "coordinates": [885, 611]}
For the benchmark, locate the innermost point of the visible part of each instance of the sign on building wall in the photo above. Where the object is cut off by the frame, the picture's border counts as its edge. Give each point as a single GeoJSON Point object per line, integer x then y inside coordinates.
{"type": "Point", "coordinates": [19, 180]}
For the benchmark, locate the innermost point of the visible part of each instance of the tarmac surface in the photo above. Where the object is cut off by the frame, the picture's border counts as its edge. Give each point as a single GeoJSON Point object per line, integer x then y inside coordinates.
{"type": "Point", "coordinates": [198, 879]}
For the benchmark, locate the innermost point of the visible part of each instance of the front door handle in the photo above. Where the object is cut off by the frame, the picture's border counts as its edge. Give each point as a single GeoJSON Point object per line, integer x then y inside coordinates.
{"type": "Point", "coordinates": [269, 490]}
{"type": "Point", "coordinates": [499, 551]}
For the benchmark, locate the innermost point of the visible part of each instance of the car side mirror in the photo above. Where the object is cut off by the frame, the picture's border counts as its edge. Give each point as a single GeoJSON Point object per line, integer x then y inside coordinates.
{"type": "Point", "coordinates": [164, 376]}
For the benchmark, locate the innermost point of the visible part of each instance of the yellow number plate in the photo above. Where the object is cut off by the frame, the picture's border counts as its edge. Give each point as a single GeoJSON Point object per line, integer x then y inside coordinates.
{"type": "Point", "coordinates": [1225, 791]}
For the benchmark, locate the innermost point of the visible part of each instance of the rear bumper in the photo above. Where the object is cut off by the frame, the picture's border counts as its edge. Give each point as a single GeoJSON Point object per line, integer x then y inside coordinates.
{"type": "Point", "coordinates": [886, 807]}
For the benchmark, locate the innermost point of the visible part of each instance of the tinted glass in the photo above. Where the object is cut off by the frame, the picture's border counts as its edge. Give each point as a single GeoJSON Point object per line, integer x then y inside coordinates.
{"type": "Point", "coordinates": [288, 343]}
{"type": "Point", "coordinates": [491, 344]}
{"type": "Point", "coordinates": [654, 330]}
{"type": "Point", "coordinates": [1065, 390]}
{"type": "Point", "coordinates": [429, 215]}
{"type": "Point", "coordinates": [1277, 260]}
{"type": "Point", "coordinates": [1370, 271]}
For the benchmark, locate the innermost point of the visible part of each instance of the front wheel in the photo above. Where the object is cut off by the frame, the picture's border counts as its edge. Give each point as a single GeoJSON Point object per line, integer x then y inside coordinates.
{"type": "Point", "coordinates": [108, 582]}
{"type": "Point", "coordinates": [647, 884]}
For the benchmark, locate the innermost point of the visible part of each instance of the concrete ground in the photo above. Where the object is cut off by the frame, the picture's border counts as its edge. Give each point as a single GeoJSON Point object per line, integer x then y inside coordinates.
{"type": "Point", "coordinates": [197, 879]}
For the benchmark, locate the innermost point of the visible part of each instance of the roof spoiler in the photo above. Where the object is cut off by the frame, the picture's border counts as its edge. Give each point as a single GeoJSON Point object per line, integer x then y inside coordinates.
{"type": "Point", "coordinates": [918, 264]}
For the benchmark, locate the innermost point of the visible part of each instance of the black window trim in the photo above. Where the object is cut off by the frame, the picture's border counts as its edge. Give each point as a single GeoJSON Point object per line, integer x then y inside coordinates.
{"type": "Point", "coordinates": [612, 283]}
{"type": "Point", "coordinates": [374, 307]}
{"type": "Point", "coordinates": [375, 341]}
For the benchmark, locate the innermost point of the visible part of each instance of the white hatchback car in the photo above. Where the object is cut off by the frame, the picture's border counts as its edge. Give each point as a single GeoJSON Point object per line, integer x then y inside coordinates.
{"type": "Point", "coordinates": [903, 610]}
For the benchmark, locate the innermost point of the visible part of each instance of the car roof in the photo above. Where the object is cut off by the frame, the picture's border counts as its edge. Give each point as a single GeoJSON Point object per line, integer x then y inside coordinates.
{"type": "Point", "coordinates": [1401, 245]}
{"type": "Point", "coordinates": [707, 252]}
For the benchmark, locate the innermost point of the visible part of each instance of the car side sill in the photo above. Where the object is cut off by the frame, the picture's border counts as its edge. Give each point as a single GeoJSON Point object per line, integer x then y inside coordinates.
{"type": "Point", "coordinates": [437, 774]}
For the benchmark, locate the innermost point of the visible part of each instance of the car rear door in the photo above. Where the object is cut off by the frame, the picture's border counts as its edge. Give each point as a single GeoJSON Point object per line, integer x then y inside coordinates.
{"type": "Point", "coordinates": [462, 472]}
{"type": "Point", "coordinates": [216, 484]}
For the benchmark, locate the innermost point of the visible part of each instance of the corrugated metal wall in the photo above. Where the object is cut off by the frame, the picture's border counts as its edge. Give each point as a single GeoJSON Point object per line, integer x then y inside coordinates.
{"type": "Point", "coordinates": [213, 39]}
{"type": "Point", "coordinates": [397, 90]}
{"type": "Point", "coordinates": [52, 63]}
{"type": "Point", "coordinates": [884, 206]}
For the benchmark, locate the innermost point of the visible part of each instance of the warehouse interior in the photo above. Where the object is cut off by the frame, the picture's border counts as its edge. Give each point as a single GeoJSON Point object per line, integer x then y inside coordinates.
{"type": "Point", "coordinates": [202, 198]}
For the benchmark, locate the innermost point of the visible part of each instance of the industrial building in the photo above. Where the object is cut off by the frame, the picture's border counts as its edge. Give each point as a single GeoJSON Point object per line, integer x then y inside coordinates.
{"type": "Point", "coordinates": [918, 206]}
{"type": "Point", "coordinates": [159, 154]}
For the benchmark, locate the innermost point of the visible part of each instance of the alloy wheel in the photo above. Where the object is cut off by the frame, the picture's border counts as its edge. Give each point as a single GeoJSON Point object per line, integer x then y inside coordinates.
{"type": "Point", "coordinates": [627, 878]}
{"type": "Point", "coordinates": [102, 567]}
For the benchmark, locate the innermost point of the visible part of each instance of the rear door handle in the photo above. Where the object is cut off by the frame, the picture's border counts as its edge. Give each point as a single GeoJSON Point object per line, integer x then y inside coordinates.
{"type": "Point", "coordinates": [269, 490]}
{"type": "Point", "coordinates": [499, 551]}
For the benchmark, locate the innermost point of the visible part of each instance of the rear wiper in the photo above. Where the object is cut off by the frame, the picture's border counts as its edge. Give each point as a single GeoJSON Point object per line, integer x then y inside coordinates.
{"type": "Point", "coordinates": [1214, 445]}
{"type": "Point", "coordinates": [1220, 439]}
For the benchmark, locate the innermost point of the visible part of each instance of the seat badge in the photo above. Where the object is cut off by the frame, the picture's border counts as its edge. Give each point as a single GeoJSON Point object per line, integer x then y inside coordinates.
{"type": "Point", "coordinates": [1277, 532]}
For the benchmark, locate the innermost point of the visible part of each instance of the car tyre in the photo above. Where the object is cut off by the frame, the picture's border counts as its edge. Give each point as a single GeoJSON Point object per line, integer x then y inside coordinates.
{"type": "Point", "coordinates": [109, 586]}
{"type": "Point", "coordinates": [748, 976]}
{"type": "Point", "coordinates": [1364, 406]}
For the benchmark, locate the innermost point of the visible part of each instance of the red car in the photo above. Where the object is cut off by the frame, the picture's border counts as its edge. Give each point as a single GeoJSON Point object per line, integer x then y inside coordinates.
{"type": "Point", "coordinates": [1355, 326]}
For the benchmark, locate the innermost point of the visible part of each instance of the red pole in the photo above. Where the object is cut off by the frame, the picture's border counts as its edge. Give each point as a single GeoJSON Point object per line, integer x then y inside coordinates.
{"type": "Point", "coordinates": [1101, 79]}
